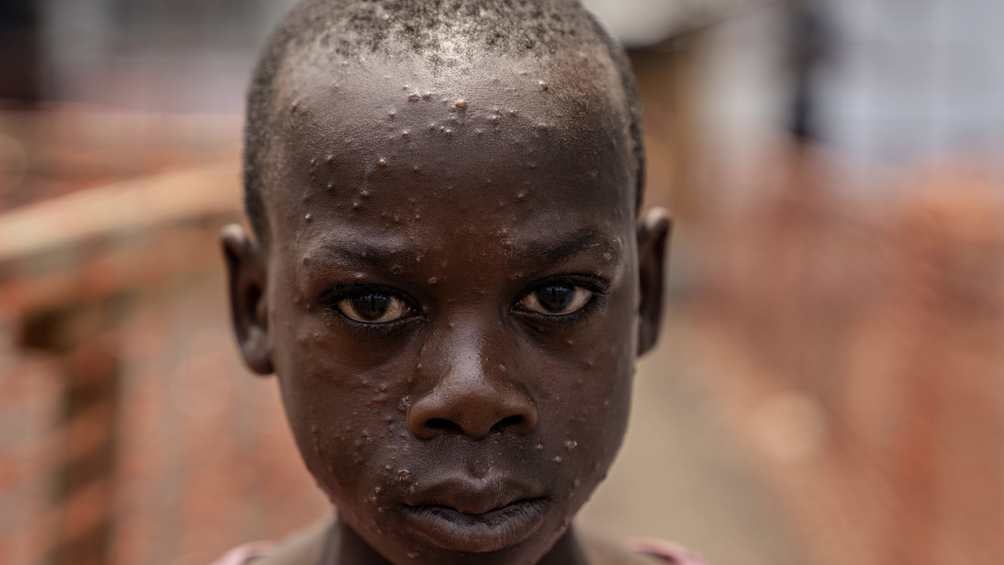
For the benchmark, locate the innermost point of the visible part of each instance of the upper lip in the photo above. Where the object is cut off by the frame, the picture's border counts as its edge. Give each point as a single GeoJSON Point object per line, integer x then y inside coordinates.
{"type": "Point", "coordinates": [473, 496]}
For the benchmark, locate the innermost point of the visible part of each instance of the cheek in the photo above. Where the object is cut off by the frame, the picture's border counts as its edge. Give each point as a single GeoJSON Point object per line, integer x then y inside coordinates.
{"type": "Point", "coordinates": [347, 415]}
{"type": "Point", "coordinates": [586, 403]}
{"type": "Point", "coordinates": [350, 430]}
{"type": "Point", "coordinates": [598, 404]}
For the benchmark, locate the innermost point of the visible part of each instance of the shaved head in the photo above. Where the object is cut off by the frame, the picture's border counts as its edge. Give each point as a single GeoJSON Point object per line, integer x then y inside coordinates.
{"type": "Point", "coordinates": [436, 34]}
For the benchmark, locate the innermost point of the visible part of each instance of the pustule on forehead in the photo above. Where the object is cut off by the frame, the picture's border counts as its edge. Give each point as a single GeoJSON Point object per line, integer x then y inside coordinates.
{"type": "Point", "coordinates": [362, 115]}
{"type": "Point", "coordinates": [562, 89]}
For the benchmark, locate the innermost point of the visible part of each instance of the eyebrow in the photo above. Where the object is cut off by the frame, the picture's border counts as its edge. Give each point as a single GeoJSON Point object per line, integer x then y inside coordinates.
{"type": "Point", "coordinates": [369, 253]}
{"type": "Point", "coordinates": [384, 255]}
{"type": "Point", "coordinates": [558, 249]}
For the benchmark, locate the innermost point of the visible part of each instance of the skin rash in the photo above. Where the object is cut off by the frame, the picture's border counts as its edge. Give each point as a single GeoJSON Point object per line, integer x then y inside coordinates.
{"type": "Point", "coordinates": [453, 290]}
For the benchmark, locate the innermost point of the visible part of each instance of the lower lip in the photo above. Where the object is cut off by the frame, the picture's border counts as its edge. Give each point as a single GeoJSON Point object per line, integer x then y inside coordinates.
{"type": "Point", "coordinates": [477, 533]}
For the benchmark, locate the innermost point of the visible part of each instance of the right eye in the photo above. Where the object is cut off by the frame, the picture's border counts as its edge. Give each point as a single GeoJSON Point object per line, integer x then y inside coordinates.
{"type": "Point", "coordinates": [374, 307]}
{"type": "Point", "coordinates": [556, 300]}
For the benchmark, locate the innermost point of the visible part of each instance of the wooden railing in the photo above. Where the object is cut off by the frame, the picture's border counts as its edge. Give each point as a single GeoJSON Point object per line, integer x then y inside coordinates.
{"type": "Point", "coordinates": [69, 270]}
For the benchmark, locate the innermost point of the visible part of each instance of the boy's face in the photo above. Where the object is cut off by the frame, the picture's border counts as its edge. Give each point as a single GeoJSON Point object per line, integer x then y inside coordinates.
{"type": "Point", "coordinates": [453, 296]}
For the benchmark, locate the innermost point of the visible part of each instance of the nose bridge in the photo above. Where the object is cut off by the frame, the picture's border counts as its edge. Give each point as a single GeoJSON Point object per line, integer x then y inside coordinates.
{"type": "Point", "coordinates": [470, 391]}
{"type": "Point", "coordinates": [461, 351]}
{"type": "Point", "coordinates": [468, 351]}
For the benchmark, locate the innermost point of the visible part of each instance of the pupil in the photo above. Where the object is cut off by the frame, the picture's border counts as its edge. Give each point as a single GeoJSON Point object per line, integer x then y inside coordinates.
{"type": "Point", "coordinates": [371, 306]}
{"type": "Point", "coordinates": [555, 298]}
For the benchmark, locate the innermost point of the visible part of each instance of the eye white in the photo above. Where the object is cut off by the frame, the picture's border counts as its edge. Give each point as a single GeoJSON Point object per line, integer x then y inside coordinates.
{"type": "Point", "coordinates": [396, 309]}
{"type": "Point", "coordinates": [580, 298]}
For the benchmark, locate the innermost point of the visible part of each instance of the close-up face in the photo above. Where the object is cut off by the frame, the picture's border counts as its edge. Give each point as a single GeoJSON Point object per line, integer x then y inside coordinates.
{"type": "Point", "coordinates": [450, 294]}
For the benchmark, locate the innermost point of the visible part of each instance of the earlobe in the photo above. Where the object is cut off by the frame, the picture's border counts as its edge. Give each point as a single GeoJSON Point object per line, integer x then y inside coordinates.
{"type": "Point", "coordinates": [654, 229]}
{"type": "Point", "coordinates": [248, 307]}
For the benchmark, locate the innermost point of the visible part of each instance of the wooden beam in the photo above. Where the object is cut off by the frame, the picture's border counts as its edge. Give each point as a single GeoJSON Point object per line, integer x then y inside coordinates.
{"type": "Point", "coordinates": [108, 214]}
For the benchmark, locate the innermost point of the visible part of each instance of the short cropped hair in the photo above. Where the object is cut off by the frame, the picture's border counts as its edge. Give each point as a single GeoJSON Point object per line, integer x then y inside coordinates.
{"type": "Point", "coordinates": [349, 28]}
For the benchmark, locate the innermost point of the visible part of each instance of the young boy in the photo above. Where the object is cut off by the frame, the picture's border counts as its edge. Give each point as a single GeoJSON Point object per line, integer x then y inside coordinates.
{"type": "Point", "coordinates": [447, 273]}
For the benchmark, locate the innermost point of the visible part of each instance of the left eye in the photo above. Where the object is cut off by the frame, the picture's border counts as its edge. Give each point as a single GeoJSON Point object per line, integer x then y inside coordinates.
{"type": "Point", "coordinates": [556, 300]}
{"type": "Point", "coordinates": [373, 308]}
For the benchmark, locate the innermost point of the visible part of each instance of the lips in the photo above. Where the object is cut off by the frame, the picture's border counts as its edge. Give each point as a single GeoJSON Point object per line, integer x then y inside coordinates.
{"type": "Point", "coordinates": [475, 517]}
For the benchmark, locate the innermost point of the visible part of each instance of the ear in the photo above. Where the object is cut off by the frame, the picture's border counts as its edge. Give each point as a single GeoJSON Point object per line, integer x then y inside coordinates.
{"type": "Point", "coordinates": [654, 230]}
{"type": "Point", "coordinates": [248, 306]}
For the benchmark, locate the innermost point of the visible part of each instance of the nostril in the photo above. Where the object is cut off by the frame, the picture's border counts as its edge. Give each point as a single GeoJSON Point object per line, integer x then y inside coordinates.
{"type": "Point", "coordinates": [443, 425]}
{"type": "Point", "coordinates": [514, 421]}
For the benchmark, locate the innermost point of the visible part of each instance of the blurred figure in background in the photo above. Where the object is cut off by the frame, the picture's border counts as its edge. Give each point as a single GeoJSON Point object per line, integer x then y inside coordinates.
{"type": "Point", "coordinates": [810, 40]}
{"type": "Point", "coordinates": [20, 50]}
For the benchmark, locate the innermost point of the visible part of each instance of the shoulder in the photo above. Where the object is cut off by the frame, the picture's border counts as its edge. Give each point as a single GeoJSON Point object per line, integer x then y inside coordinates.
{"type": "Point", "coordinates": [637, 552]}
{"type": "Point", "coordinates": [302, 548]}
{"type": "Point", "coordinates": [248, 553]}
{"type": "Point", "coordinates": [665, 551]}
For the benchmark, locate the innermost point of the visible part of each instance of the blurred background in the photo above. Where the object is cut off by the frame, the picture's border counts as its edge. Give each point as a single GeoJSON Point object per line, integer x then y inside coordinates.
{"type": "Point", "coordinates": [828, 390]}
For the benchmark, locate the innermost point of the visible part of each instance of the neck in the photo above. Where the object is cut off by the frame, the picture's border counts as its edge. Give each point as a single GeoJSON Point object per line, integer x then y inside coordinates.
{"type": "Point", "coordinates": [344, 547]}
{"type": "Point", "coordinates": [567, 551]}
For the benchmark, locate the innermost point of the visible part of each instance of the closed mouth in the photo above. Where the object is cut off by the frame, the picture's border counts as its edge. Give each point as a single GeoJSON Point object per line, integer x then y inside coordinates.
{"type": "Point", "coordinates": [494, 530]}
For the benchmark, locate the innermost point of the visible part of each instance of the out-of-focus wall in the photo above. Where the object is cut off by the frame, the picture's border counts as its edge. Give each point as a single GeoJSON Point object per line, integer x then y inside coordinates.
{"type": "Point", "coordinates": [848, 272]}
{"type": "Point", "coordinates": [179, 56]}
{"type": "Point", "coordinates": [132, 433]}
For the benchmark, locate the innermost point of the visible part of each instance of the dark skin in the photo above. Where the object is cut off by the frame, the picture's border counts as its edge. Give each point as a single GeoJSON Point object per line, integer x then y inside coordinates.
{"type": "Point", "coordinates": [453, 295]}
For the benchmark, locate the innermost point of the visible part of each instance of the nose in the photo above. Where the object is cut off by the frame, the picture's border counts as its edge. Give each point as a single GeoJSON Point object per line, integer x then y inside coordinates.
{"type": "Point", "coordinates": [475, 411]}
{"type": "Point", "coordinates": [470, 402]}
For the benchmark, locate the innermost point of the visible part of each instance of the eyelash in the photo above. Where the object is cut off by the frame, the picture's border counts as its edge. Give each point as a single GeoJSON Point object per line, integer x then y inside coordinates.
{"type": "Point", "coordinates": [335, 295]}
{"type": "Point", "coordinates": [596, 285]}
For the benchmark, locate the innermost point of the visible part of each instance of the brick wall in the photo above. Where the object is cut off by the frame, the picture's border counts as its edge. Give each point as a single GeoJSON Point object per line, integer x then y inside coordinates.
{"type": "Point", "coordinates": [855, 344]}
{"type": "Point", "coordinates": [200, 456]}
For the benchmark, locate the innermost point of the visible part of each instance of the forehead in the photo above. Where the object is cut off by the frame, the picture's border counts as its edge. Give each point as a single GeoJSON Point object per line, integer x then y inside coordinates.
{"type": "Point", "coordinates": [515, 143]}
